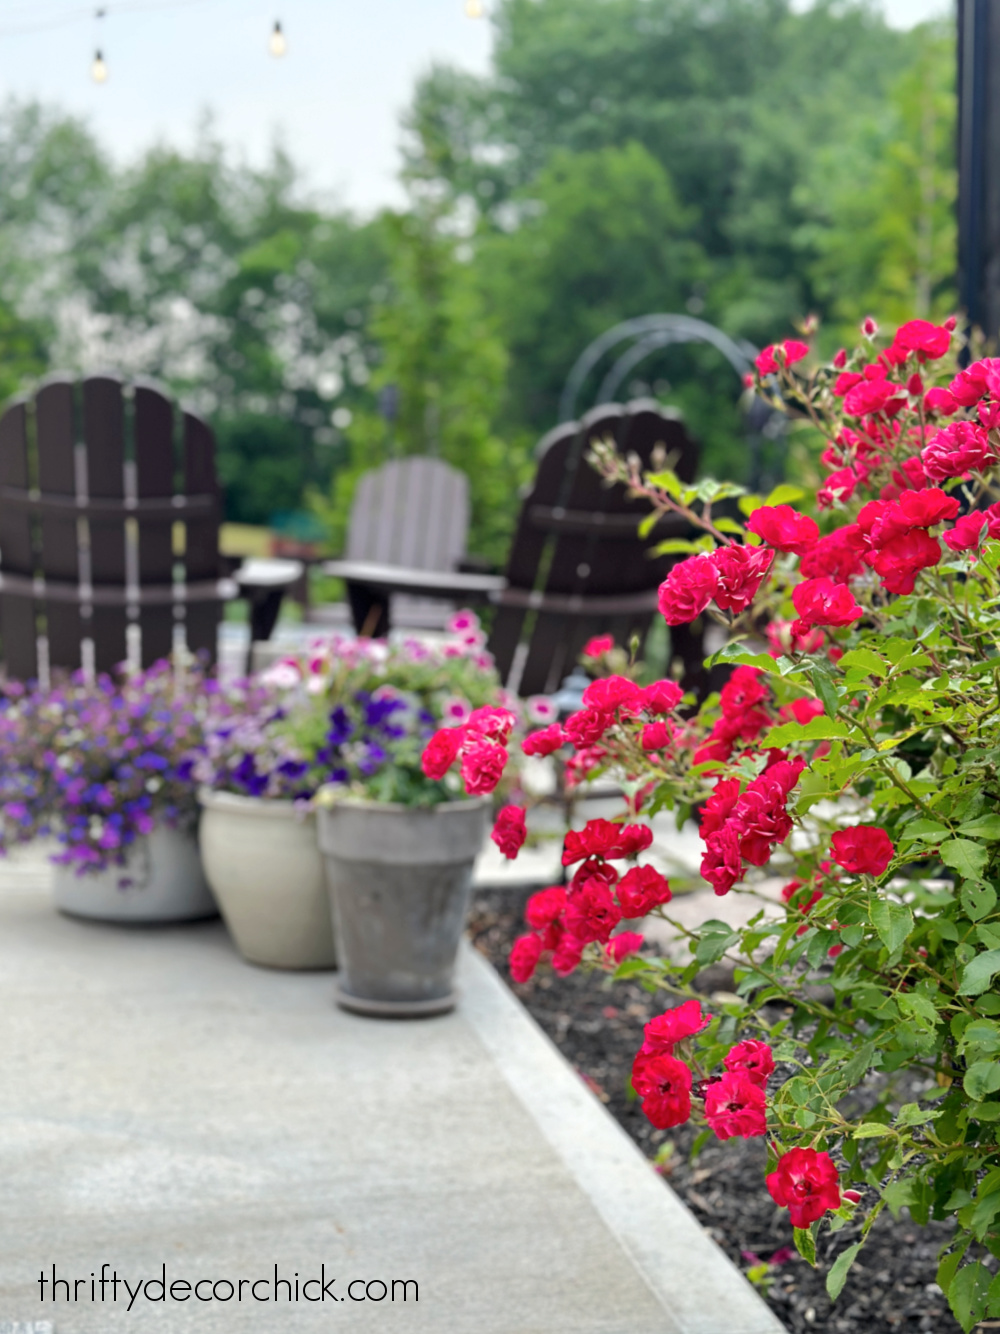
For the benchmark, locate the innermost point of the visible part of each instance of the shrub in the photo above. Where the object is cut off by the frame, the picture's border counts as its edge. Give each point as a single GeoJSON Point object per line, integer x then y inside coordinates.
{"type": "Point", "coordinates": [853, 749]}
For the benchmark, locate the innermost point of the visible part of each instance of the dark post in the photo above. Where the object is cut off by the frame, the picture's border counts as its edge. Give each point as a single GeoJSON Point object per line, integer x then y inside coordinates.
{"type": "Point", "coordinates": [979, 163]}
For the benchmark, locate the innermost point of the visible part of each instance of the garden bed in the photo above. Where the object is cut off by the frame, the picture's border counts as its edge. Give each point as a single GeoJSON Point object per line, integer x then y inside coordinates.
{"type": "Point", "coordinates": [598, 1026]}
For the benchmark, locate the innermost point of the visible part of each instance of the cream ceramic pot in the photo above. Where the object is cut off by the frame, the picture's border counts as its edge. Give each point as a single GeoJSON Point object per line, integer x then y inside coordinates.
{"type": "Point", "coordinates": [266, 871]}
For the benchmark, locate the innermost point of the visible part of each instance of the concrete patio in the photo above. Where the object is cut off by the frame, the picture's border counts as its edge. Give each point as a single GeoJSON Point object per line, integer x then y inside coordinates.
{"type": "Point", "coordinates": [165, 1104]}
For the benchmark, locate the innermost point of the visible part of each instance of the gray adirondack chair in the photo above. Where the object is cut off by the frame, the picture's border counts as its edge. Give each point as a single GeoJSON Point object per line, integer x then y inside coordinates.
{"type": "Point", "coordinates": [95, 477]}
{"type": "Point", "coordinates": [409, 522]}
{"type": "Point", "coordinates": [577, 565]}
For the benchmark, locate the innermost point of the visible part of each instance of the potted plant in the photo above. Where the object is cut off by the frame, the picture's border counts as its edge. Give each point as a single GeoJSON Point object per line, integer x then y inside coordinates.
{"type": "Point", "coordinates": [258, 833]}
{"type": "Point", "coordinates": [399, 842]}
{"type": "Point", "coordinates": [103, 768]}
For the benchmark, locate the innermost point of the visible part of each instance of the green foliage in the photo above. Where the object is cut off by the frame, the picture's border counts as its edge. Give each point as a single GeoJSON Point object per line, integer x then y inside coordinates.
{"type": "Point", "coordinates": [445, 367]}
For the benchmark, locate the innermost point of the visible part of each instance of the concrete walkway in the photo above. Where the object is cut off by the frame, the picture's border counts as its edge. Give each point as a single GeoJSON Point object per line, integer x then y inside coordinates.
{"type": "Point", "coordinates": [164, 1104]}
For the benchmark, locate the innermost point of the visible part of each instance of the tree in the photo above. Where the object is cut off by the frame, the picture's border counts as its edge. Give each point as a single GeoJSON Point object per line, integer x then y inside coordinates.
{"type": "Point", "coordinates": [884, 235]}
{"type": "Point", "coordinates": [441, 375]}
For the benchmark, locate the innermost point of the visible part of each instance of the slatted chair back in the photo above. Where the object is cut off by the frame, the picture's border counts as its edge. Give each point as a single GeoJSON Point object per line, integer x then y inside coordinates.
{"type": "Point", "coordinates": [577, 565]}
{"type": "Point", "coordinates": [94, 477]}
{"type": "Point", "coordinates": [412, 512]}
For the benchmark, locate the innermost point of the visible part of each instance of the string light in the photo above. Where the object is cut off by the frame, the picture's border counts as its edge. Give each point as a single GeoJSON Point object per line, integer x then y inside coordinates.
{"type": "Point", "coordinates": [99, 70]}
{"type": "Point", "coordinates": [474, 9]}
{"type": "Point", "coordinates": [278, 44]}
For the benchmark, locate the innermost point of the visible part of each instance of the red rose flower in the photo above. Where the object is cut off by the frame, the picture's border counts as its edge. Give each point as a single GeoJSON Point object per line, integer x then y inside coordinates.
{"type": "Point", "coordinates": [625, 943]}
{"type": "Point", "coordinates": [929, 341]}
{"type": "Point", "coordinates": [591, 912]}
{"type": "Point", "coordinates": [807, 1182]}
{"type": "Point", "coordinates": [567, 956]}
{"type": "Point", "coordinates": [688, 589]}
{"type": "Point", "coordinates": [741, 572]}
{"type": "Point", "coordinates": [923, 509]}
{"type": "Point", "coordinates": [544, 741]}
{"type": "Point", "coordinates": [664, 1085]}
{"type": "Point", "coordinates": [873, 396]}
{"type": "Point", "coordinates": [662, 1034]}
{"type": "Point", "coordinates": [494, 724]}
{"type": "Point", "coordinates": [957, 450]}
{"type": "Point", "coordinates": [598, 646]}
{"type": "Point", "coordinates": [662, 697]}
{"type": "Point", "coordinates": [613, 692]}
{"type": "Point", "coordinates": [656, 736]}
{"type": "Point", "coordinates": [722, 864]}
{"type": "Point", "coordinates": [592, 867]}
{"type": "Point", "coordinates": [837, 556]}
{"type": "Point", "coordinates": [441, 752]}
{"type": "Point", "coordinates": [482, 766]}
{"type": "Point", "coordinates": [837, 489]}
{"type": "Point", "coordinates": [822, 602]}
{"type": "Point", "coordinates": [719, 806]}
{"type": "Point", "coordinates": [586, 727]}
{"type": "Point", "coordinates": [642, 889]}
{"type": "Point", "coordinates": [509, 832]}
{"type": "Point", "coordinates": [901, 560]}
{"type": "Point", "coordinates": [524, 956]}
{"type": "Point", "coordinates": [940, 401]}
{"type": "Point", "coordinates": [864, 849]}
{"type": "Point", "coordinates": [545, 907]}
{"type": "Point", "coordinates": [632, 839]}
{"type": "Point", "coordinates": [741, 692]}
{"type": "Point", "coordinates": [783, 528]}
{"type": "Point", "coordinates": [736, 1106]}
{"type": "Point", "coordinates": [754, 1059]}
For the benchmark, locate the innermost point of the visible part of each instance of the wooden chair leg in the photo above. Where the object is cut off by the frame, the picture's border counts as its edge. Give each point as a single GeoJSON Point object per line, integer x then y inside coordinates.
{"type": "Point", "coordinates": [369, 611]}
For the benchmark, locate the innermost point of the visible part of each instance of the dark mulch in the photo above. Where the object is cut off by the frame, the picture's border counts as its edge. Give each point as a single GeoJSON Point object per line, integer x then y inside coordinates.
{"type": "Point", "coordinates": [597, 1025]}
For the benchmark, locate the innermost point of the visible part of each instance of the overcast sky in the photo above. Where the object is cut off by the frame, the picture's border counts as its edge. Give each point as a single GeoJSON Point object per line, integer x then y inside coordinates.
{"type": "Point", "coordinates": [335, 98]}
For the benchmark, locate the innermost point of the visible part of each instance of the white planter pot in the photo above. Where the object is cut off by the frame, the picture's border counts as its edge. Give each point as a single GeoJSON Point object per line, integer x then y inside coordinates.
{"type": "Point", "coordinates": [263, 863]}
{"type": "Point", "coordinates": [162, 881]}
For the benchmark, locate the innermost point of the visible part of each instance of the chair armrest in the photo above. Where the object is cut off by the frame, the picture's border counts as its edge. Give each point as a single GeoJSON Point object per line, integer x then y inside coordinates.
{"type": "Point", "coordinates": [422, 583]}
{"type": "Point", "coordinates": [476, 565]}
{"type": "Point", "coordinates": [261, 573]}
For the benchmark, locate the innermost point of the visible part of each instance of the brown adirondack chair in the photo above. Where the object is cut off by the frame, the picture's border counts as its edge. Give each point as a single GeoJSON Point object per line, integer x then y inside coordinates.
{"type": "Point", "coordinates": [95, 476]}
{"type": "Point", "coordinates": [577, 565]}
{"type": "Point", "coordinates": [409, 522]}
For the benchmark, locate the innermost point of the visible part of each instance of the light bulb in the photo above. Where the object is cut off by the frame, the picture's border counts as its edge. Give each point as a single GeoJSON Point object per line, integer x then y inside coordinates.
{"type": "Point", "coordinates": [277, 45]}
{"type": "Point", "coordinates": [474, 9]}
{"type": "Point", "coordinates": [98, 70]}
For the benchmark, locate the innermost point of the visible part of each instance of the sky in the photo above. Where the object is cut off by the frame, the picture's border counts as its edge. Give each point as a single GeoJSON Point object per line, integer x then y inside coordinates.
{"type": "Point", "coordinates": [334, 99]}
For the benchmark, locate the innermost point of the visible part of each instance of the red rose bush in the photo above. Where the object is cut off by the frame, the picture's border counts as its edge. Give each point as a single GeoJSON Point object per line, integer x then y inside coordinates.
{"type": "Point", "coordinates": [854, 750]}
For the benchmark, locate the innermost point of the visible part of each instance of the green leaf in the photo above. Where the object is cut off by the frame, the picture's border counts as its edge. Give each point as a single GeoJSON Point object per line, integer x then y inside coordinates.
{"type": "Point", "coordinates": [735, 651]}
{"type": "Point", "coordinates": [805, 1244]}
{"type": "Point", "coordinates": [978, 899]}
{"type": "Point", "coordinates": [892, 921]}
{"type": "Point", "coordinates": [964, 856]}
{"type": "Point", "coordinates": [983, 826]}
{"type": "Point", "coordinates": [979, 973]}
{"type": "Point", "coordinates": [984, 1213]}
{"type": "Point", "coordinates": [837, 1276]}
{"type": "Point", "coordinates": [870, 1130]}
{"type": "Point", "coordinates": [785, 494]}
{"type": "Point", "coordinates": [667, 481]}
{"type": "Point", "coordinates": [857, 1067]}
{"type": "Point", "coordinates": [928, 831]}
{"type": "Point", "coordinates": [728, 526]}
{"type": "Point", "coordinates": [816, 729]}
{"type": "Point", "coordinates": [748, 504]}
{"type": "Point", "coordinates": [981, 1079]}
{"type": "Point", "coordinates": [678, 545]}
{"type": "Point", "coordinates": [827, 692]}
{"type": "Point", "coordinates": [968, 1294]}
{"type": "Point", "coordinates": [918, 1006]}
{"type": "Point", "coordinates": [647, 524]}
{"type": "Point", "coordinates": [872, 662]}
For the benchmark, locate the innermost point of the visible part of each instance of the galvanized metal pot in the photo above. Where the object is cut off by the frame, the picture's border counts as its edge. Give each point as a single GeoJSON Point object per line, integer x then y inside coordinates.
{"type": "Point", "coordinates": [399, 880]}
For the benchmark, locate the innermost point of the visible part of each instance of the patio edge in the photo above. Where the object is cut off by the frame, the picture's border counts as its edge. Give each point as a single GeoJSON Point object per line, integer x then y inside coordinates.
{"type": "Point", "coordinates": [698, 1286]}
